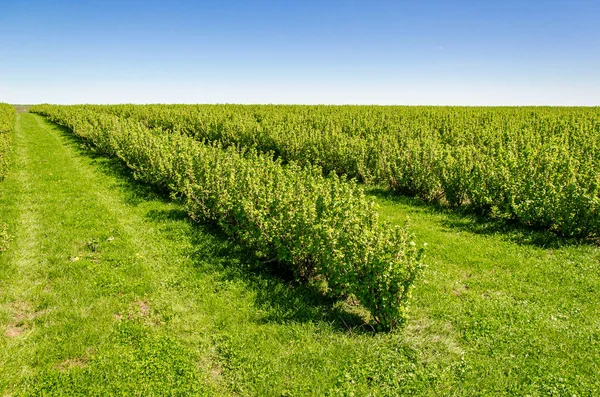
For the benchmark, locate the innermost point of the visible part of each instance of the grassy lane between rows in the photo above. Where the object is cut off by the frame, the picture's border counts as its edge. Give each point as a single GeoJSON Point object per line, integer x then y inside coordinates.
{"type": "Point", "coordinates": [523, 304]}
{"type": "Point", "coordinates": [108, 288]}
{"type": "Point", "coordinates": [85, 305]}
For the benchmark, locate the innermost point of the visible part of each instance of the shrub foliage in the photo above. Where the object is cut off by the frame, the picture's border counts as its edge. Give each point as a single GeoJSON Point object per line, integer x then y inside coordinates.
{"type": "Point", "coordinates": [537, 165]}
{"type": "Point", "coordinates": [321, 227]}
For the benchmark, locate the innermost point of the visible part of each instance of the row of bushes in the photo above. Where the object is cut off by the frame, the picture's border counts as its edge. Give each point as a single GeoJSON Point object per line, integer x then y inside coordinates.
{"type": "Point", "coordinates": [538, 165]}
{"type": "Point", "coordinates": [7, 121]}
{"type": "Point", "coordinates": [322, 227]}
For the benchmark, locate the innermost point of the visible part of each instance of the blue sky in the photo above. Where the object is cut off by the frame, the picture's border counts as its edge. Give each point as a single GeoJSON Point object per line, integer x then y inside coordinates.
{"type": "Point", "coordinates": [476, 52]}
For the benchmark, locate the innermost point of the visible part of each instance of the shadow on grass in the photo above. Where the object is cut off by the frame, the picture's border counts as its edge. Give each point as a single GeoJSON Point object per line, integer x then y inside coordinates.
{"type": "Point", "coordinates": [276, 292]}
{"type": "Point", "coordinates": [467, 219]}
{"type": "Point", "coordinates": [136, 191]}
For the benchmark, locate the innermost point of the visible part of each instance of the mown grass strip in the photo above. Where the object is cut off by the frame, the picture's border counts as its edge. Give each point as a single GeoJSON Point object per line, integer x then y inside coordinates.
{"type": "Point", "coordinates": [81, 304]}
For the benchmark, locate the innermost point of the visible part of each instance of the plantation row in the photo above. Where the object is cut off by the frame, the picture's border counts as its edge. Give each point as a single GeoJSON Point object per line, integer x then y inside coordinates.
{"type": "Point", "coordinates": [7, 120]}
{"type": "Point", "coordinates": [323, 228]}
{"type": "Point", "coordinates": [539, 165]}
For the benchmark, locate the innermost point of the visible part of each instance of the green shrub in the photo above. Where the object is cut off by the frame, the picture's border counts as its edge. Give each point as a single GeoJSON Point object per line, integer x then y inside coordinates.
{"type": "Point", "coordinates": [316, 225]}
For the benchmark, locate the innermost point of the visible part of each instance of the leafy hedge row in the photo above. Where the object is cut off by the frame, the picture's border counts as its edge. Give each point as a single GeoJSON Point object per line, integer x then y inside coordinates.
{"type": "Point", "coordinates": [539, 165]}
{"type": "Point", "coordinates": [320, 227]}
{"type": "Point", "coordinates": [7, 121]}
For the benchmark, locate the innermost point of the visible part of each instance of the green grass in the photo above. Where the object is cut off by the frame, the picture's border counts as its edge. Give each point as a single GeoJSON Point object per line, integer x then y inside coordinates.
{"type": "Point", "coordinates": [522, 303]}
{"type": "Point", "coordinates": [108, 288]}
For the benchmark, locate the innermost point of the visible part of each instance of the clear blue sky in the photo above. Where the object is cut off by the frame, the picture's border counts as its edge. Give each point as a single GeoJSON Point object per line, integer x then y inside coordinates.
{"type": "Point", "coordinates": [476, 52]}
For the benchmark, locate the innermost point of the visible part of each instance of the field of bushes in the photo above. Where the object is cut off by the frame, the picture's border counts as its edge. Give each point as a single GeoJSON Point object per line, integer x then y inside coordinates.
{"type": "Point", "coordinates": [282, 180]}
{"type": "Point", "coordinates": [304, 273]}
{"type": "Point", "coordinates": [536, 165]}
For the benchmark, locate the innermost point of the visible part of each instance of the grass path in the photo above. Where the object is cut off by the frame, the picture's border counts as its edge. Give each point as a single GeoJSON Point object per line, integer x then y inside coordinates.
{"type": "Point", "coordinates": [107, 288]}
{"type": "Point", "coordinates": [523, 304]}
{"type": "Point", "coordinates": [86, 280]}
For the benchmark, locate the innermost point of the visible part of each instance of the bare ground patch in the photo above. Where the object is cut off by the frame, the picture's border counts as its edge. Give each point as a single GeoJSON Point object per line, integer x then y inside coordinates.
{"type": "Point", "coordinates": [71, 363]}
{"type": "Point", "coordinates": [140, 310]}
{"type": "Point", "coordinates": [22, 315]}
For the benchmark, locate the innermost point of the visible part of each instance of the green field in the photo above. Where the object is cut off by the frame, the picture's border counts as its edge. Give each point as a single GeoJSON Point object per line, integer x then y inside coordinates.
{"type": "Point", "coordinates": [110, 288]}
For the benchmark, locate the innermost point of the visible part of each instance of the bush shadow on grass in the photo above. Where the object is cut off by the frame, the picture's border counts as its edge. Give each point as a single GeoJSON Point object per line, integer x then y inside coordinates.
{"type": "Point", "coordinates": [137, 192]}
{"type": "Point", "coordinates": [282, 298]}
{"type": "Point", "coordinates": [468, 219]}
